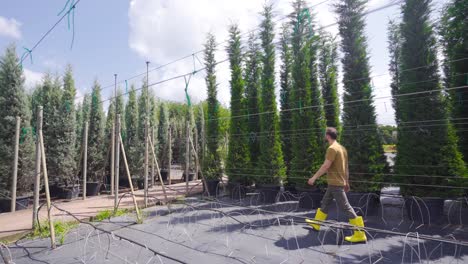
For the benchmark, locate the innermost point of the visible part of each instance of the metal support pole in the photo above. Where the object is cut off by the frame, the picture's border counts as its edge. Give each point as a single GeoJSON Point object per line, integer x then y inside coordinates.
{"type": "Point", "coordinates": [196, 151]}
{"type": "Point", "coordinates": [117, 163]}
{"type": "Point", "coordinates": [85, 157]}
{"type": "Point", "coordinates": [37, 170]}
{"type": "Point", "coordinates": [15, 165]}
{"type": "Point", "coordinates": [146, 138]}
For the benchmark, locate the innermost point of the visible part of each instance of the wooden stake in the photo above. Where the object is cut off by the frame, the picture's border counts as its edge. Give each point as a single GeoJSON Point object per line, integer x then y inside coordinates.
{"type": "Point", "coordinates": [37, 170]}
{"type": "Point", "coordinates": [46, 184]}
{"type": "Point", "coordinates": [187, 156]}
{"type": "Point", "coordinates": [15, 165]}
{"type": "Point", "coordinates": [159, 175]}
{"type": "Point", "coordinates": [117, 163]}
{"type": "Point", "coordinates": [201, 171]}
{"type": "Point", "coordinates": [85, 157]}
{"type": "Point", "coordinates": [129, 179]}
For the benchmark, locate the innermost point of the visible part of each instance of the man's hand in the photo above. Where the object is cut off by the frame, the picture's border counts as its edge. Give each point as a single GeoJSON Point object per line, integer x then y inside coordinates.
{"type": "Point", "coordinates": [346, 187]}
{"type": "Point", "coordinates": [311, 181]}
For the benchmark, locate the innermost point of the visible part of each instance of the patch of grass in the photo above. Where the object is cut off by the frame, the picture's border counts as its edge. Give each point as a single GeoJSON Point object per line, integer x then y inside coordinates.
{"type": "Point", "coordinates": [61, 230]}
{"type": "Point", "coordinates": [106, 214]}
{"type": "Point", "coordinates": [389, 148]}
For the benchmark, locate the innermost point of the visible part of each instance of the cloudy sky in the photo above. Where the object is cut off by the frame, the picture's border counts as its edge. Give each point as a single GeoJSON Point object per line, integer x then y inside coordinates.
{"type": "Point", "coordinates": [120, 36]}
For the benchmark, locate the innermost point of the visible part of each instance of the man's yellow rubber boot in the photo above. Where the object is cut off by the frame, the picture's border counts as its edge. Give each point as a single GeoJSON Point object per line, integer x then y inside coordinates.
{"type": "Point", "coordinates": [359, 235]}
{"type": "Point", "coordinates": [320, 216]}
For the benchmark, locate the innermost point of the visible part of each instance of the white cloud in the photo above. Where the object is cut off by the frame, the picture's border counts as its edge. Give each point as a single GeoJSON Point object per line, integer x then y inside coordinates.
{"type": "Point", "coordinates": [32, 78]}
{"type": "Point", "coordinates": [165, 30]}
{"type": "Point", "coordinates": [10, 27]}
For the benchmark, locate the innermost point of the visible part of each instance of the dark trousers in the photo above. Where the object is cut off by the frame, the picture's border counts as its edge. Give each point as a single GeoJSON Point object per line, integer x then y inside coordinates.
{"type": "Point", "coordinates": [338, 193]}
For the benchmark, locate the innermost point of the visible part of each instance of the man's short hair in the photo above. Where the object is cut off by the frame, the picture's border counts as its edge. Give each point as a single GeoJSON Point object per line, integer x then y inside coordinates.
{"type": "Point", "coordinates": [331, 131]}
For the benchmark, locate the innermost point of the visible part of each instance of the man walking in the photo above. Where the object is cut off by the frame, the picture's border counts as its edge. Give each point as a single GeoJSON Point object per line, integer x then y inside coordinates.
{"type": "Point", "coordinates": [336, 168]}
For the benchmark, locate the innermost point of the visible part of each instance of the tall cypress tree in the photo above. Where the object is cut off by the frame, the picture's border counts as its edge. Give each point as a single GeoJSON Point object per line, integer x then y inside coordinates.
{"type": "Point", "coordinates": [110, 119]}
{"type": "Point", "coordinates": [238, 151]}
{"type": "Point", "coordinates": [13, 102]}
{"type": "Point", "coordinates": [253, 73]}
{"type": "Point", "coordinates": [433, 147]}
{"type": "Point", "coordinates": [200, 123]}
{"type": "Point", "coordinates": [366, 158]}
{"type": "Point", "coordinates": [163, 133]}
{"type": "Point", "coordinates": [328, 74]}
{"type": "Point", "coordinates": [132, 142]}
{"type": "Point", "coordinates": [271, 159]}
{"type": "Point", "coordinates": [306, 102]}
{"type": "Point", "coordinates": [67, 161]}
{"type": "Point", "coordinates": [144, 113]}
{"type": "Point", "coordinates": [286, 96]}
{"type": "Point", "coordinates": [394, 47]}
{"type": "Point", "coordinates": [51, 100]}
{"type": "Point", "coordinates": [454, 33]}
{"type": "Point", "coordinates": [96, 135]}
{"type": "Point", "coordinates": [213, 163]}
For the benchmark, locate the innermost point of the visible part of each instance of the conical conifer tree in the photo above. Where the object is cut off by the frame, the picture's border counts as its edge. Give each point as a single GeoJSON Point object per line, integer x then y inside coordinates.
{"type": "Point", "coordinates": [433, 148]}
{"type": "Point", "coordinates": [13, 102]}
{"type": "Point", "coordinates": [253, 73]}
{"type": "Point", "coordinates": [360, 133]}
{"type": "Point", "coordinates": [132, 142]}
{"type": "Point", "coordinates": [96, 152]}
{"type": "Point", "coordinates": [271, 164]}
{"type": "Point", "coordinates": [212, 168]}
{"type": "Point", "coordinates": [67, 161]}
{"type": "Point", "coordinates": [454, 31]}
{"type": "Point", "coordinates": [238, 151]}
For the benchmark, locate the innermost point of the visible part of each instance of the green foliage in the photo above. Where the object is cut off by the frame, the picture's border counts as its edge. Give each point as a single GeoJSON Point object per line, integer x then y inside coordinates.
{"type": "Point", "coordinates": [200, 127]}
{"type": "Point", "coordinates": [454, 31]}
{"type": "Point", "coordinates": [213, 162]}
{"type": "Point", "coordinates": [61, 230]}
{"type": "Point", "coordinates": [271, 160]}
{"type": "Point", "coordinates": [14, 102]}
{"type": "Point", "coordinates": [286, 99]}
{"type": "Point", "coordinates": [96, 136]}
{"type": "Point", "coordinates": [433, 149]}
{"type": "Point", "coordinates": [238, 151]}
{"type": "Point", "coordinates": [394, 48]}
{"type": "Point", "coordinates": [107, 214]}
{"type": "Point", "coordinates": [363, 145]}
{"type": "Point", "coordinates": [253, 71]}
{"type": "Point", "coordinates": [388, 134]}
{"type": "Point", "coordinates": [328, 75]}
{"type": "Point", "coordinates": [308, 123]}
{"type": "Point", "coordinates": [67, 152]}
{"type": "Point", "coordinates": [50, 97]}
{"type": "Point", "coordinates": [164, 150]}
{"type": "Point", "coordinates": [132, 142]}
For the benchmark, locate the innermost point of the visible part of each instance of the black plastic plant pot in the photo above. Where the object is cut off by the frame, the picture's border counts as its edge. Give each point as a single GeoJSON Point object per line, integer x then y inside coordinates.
{"type": "Point", "coordinates": [69, 193]}
{"type": "Point", "coordinates": [212, 187]}
{"type": "Point", "coordinates": [140, 184]}
{"type": "Point", "coordinates": [164, 174]}
{"type": "Point", "coordinates": [237, 190]}
{"type": "Point", "coordinates": [425, 210]}
{"type": "Point", "coordinates": [365, 204]}
{"type": "Point", "coordinates": [289, 194]}
{"type": "Point", "coordinates": [190, 178]}
{"type": "Point", "coordinates": [22, 203]}
{"type": "Point", "coordinates": [55, 190]}
{"type": "Point", "coordinates": [93, 188]}
{"type": "Point", "coordinates": [268, 192]}
{"type": "Point", "coordinates": [458, 212]}
{"type": "Point", "coordinates": [309, 198]}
